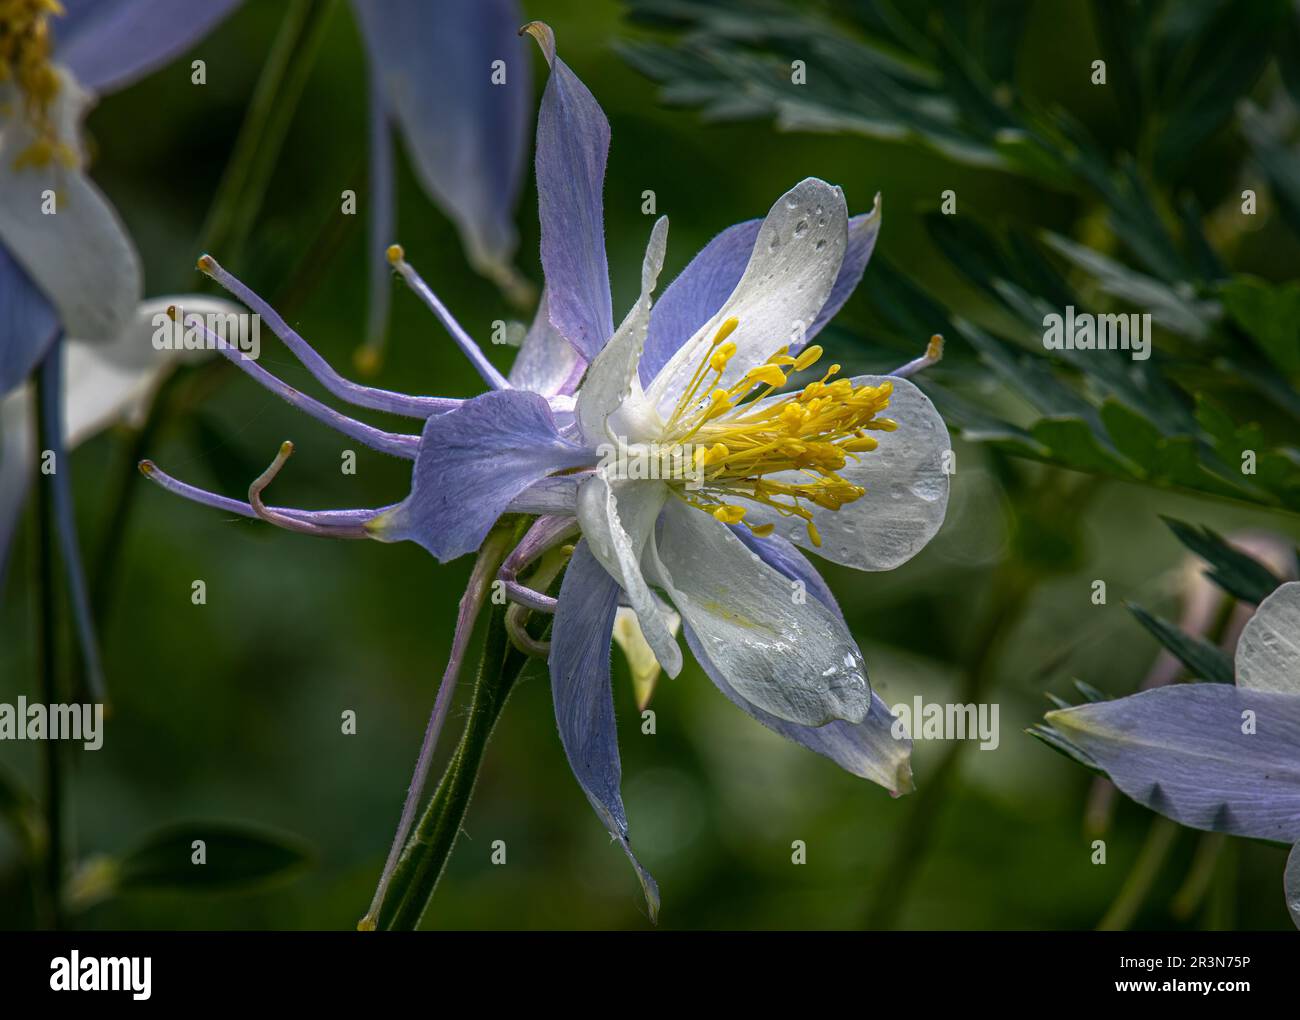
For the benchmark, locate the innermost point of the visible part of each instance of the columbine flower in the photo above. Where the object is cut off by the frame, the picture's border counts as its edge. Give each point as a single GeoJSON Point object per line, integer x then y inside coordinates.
{"type": "Point", "coordinates": [67, 265]}
{"type": "Point", "coordinates": [849, 467]}
{"type": "Point", "coordinates": [453, 77]}
{"type": "Point", "coordinates": [68, 269]}
{"type": "Point", "coordinates": [1213, 756]}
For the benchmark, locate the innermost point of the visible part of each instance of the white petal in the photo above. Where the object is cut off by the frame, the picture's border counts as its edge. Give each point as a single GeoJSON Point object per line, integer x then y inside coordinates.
{"type": "Point", "coordinates": [796, 258]}
{"type": "Point", "coordinates": [906, 497]}
{"type": "Point", "coordinates": [1268, 651]}
{"type": "Point", "coordinates": [779, 648]}
{"type": "Point", "coordinates": [641, 661]}
{"type": "Point", "coordinates": [109, 382]}
{"type": "Point", "coordinates": [618, 518]}
{"type": "Point", "coordinates": [80, 256]}
{"type": "Point", "coordinates": [546, 362]}
{"type": "Point", "coordinates": [612, 384]}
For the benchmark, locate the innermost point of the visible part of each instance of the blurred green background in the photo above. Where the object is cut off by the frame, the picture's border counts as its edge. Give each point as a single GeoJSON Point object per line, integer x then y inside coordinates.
{"type": "Point", "coordinates": [232, 710]}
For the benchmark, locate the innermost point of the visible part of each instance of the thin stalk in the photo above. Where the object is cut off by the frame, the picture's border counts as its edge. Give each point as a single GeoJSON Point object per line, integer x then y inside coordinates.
{"type": "Point", "coordinates": [487, 564]}
{"type": "Point", "coordinates": [1137, 885]}
{"type": "Point", "coordinates": [425, 857]}
{"type": "Point", "coordinates": [47, 665]}
{"type": "Point", "coordinates": [1205, 865]}
{"type": "Point", "coordinates": [238, 200]}
{"type": "Point", "coordinates": [1011, 590]}
{"type": "Point", "coordinates": [270, 112]}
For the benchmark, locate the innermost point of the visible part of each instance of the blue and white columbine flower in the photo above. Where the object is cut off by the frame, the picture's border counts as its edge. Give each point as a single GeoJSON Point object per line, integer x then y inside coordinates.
{"type": "Point", "coordinates": [1213, 756]}
{"type": "Point", "coordinates": [852, 468]}
{"type": "Point", "coordinates": [68, 270]}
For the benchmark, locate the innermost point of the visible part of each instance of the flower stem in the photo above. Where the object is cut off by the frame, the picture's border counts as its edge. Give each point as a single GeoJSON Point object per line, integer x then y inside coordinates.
{"type": "Point", "coordinates": [270, 112]}
{"type": "Point", "coordinates": [47, 649]}
{"type": "Point", "coordinates": [230, 218]}
{"type": "Point", "coordinates": [1137, 886]}
{"type": "Point", "coordinates": [487, 564]}
{"type": "Point", "coordinates": [425, 857]}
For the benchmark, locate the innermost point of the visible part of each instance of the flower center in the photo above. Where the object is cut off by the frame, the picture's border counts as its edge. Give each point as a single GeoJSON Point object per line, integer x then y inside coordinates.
{"type": "Point", "coordinates": [743, 441]}
{"type": "Point", "coordinates": [25, 61]}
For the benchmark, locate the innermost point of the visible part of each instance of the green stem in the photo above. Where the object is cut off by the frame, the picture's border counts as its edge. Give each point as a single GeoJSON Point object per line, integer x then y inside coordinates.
{"type": "Point", "coordinates": [238, 200]}
{"type": "Point", "coordinates": [47, 653]}
{"type": "Point", "coordinates": [1205, 865]}
{"type": "Point", "coordinates": [1011, 590]}
{"type": "Point", "coordinates": [270, 112]}
{"type": "Point", "coordinates": [1137, 886]}
{"type": "Point", "coordinates": [426, 855]}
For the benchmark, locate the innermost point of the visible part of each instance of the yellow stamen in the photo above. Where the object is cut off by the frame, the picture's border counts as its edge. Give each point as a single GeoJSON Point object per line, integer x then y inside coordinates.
{"type": "Point", "coordinates": [808, 358]}
{"type": "Point", "coordinates": [770, 375]}
{"type": "Point", "coordinates": [783, 453]}
{"type": "Point", "coordinates": [25, 60]}
{"type": "Point", "coordinates": [725, 330]}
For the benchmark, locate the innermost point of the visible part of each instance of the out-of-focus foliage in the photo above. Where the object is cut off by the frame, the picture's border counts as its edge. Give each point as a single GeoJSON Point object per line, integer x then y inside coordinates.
{"type": "Point", "coordinates": [1162, 204]}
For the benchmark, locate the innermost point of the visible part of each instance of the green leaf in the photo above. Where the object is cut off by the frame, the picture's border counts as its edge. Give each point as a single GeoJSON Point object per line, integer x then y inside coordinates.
{"type": "Point", "coordinates": [1203, 660]}
{"type": "Point", "coordinates": [1182, 315]}
{"type": "Point", "coordinates": [236, 855]}
{"type": "Point", "coordinates": [1211, 68]}
{"type": "Point", "coordinates": [1270, 313]}
{"type": "Point", "coordinates": [1232, 570]}
{"type": "Point", "coordinates": [1060, 744]}
{"type": "Point", "coordinates": [1279, 165]}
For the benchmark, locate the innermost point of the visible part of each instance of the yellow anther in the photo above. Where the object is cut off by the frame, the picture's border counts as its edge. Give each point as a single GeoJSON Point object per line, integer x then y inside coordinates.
{"type": "Point", "coordinates": [784, 452]}
{"type": "Point", "coordinates": [719, 358]}
{"type": "Point", "coordinates": [769, 375]}
{"type": "Point", "coordinates": [25, 50]}
{"type": "Point", "coordinates": [205, 264]}
{"type": "Point", "coordinates": [808, 358]}
{"type": "Point", "coordinates": [793, 417]}
{"type": "Point", "coordinates": [725, 330]}
{"type": "Point", "coordinates": [395, 253]}
{"type": "Point", "coordinates": [762, 530]}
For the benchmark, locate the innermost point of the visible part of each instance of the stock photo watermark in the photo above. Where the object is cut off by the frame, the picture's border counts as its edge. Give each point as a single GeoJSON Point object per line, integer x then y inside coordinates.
{"type": "Point", "coordinates": [211, 331]}
{"type": "Point", "coordinates": [939, 721]}
{"type": "Point", "coordinates": [668, 462]}
{"type": "Point", "coordinates": [37, 721]}
{"type": "Point", "coordinates": [1083, 331]}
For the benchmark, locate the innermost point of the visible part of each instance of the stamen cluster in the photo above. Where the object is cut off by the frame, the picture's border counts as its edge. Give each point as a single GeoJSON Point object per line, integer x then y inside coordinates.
{"type": "Point", "coordinates": [744, 439]}
{"type": "Point", "coordinates": [25, 61]}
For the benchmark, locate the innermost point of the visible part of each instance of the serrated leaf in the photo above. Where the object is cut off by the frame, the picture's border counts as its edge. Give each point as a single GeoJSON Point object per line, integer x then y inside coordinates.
{"type": "Point", "coordinates": [1232, 570]}
{"type": "Point", "coordinates": [1204, 660]}
{"type": "Point", "coordinates": [1058, 743]}
{"type": "Point", "coordinates": [1185, 316]}
{"type": "Point", "coordinates": [1089, 692]}
{"type": "Point", "coordinates": [1270, 314]}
